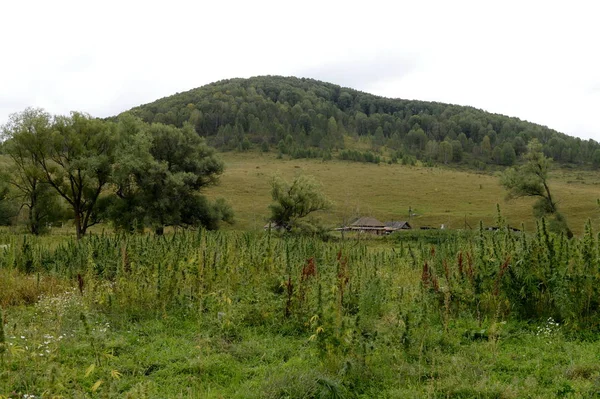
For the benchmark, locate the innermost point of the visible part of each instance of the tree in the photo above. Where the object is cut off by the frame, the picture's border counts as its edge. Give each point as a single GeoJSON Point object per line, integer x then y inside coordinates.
{"type": "Point", "coordinates": [76, 159]}
{"type": "Point", "coordinates": [457, 151]}
{"type": "Point", "coordinates": [445, 152]}
{"type": "Point", "coordinates": [378, 138]}
{"type": "Point", "coordinates": [7, 208]}
{"type": "Point", "coordinates": [486, 147]}
{"type": "Point", "coordinates": [416, 138]}
{"type": "Point", "coordinates": [519, 145]}
{"type": "Point", "coordinates": [361, 124]}
{"type": "Point", "coordinates": [31, 190]}
{"type": "Point", "coordinates": [531, 180]}
{"type": "Point", "coordinates": [295, 201]}
{"type": "Point", "coordinates": [432, 150]}
{"type": "Point", "coordinates": [332, 127]}
{"type": "Point", "coordinates": [508, 154]}
{"type": "Point", "coordinates": [464, 141]}
{"type": "Point", "coordinates": [159, 172]}
{"type": "Point", "coordinates": [596, 159]}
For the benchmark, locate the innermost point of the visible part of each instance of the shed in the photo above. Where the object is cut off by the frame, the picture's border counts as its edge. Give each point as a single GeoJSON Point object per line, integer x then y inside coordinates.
{"type": "Point", "coordinates": [368, 225]}
{"type": "Point", "coordinates": [394, 226]}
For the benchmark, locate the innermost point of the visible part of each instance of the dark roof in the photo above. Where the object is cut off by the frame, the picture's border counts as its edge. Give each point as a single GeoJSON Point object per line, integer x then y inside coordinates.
{"type": "Point", "coordinates": [398, 225]}
{"type": "Point", "coordinates": [495, 228]}
{"type": "Point", "coordinates": [368, 222]}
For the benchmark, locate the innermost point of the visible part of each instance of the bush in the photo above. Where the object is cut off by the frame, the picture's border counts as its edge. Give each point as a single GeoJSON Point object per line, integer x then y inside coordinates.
{"type": "Point", "coordinates": [359, 156]}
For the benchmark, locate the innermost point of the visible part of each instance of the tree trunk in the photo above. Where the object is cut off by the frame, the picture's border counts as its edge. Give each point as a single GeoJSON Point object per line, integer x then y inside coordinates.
{"type": "Point", "coordinates": [160, 230]}
{"type": "Point", "coordinates": [78, 228]}
{"type": "Point", "coordinates": [549, 196]}
{"type": "Point", "coordinates": [34, 223]}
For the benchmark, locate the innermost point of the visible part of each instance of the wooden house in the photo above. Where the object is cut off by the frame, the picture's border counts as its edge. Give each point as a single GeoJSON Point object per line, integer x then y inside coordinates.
{"type": "Point", "coordinates": [367, 225]}
{"type": "Point", "coordinates": [390, 227]}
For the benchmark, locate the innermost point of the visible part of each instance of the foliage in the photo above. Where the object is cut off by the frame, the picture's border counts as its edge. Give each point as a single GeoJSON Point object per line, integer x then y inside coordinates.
{"type": "Point", "coordinates": [295, 201]}
{"type": "Point", "coordinates": [132, 173]}
{"type": "Point", "coordinates": [243, 315]}
{"type": "Point", "coordinates": [24, 174]}
{"type": "Point", "coordinates": [71, 154]}
{"type": "Point", "coordinates": [158, 174]}
{"type": "Point", "coordinates": [359, 156]}
{"type": "Point", "coordinates": [7, 207]}
{"type": "Point", "coordinates": [235, 113]}
{"type": "Point", "coordinates": [531, 180]}
{"type": "Point", "coordinates": [456, 198]}
{"type": "Point", "coordinates": [77, 161]}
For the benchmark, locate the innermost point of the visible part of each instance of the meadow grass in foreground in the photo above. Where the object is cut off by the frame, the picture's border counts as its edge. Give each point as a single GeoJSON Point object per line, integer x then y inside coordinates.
{"type": "Point", "coordinates": [242, 315]}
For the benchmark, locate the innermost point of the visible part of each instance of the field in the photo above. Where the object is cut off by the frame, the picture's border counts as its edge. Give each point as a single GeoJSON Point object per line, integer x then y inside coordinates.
{"type": "Point", "coordinates": [386, 192]}
{"type": "Point", "coordinates": [438, 195]}
{"type": "Point", "coordinates": [242, 315]}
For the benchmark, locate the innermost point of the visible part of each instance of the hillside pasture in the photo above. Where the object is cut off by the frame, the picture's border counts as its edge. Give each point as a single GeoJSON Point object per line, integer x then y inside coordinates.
{"type": "Point", "coordinates": [438, 195]}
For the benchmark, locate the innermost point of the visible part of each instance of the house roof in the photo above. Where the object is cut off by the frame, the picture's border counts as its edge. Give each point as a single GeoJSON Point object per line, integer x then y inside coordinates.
{"type": "Point", "coordinates": [368, 222]}
{"type": "Point", "coordinates": [398, 225]}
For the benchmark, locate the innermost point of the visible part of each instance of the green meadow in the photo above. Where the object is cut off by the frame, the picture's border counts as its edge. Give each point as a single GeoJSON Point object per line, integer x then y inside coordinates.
{"type": "Point", "coordinates": [437, 195]}
{"type": "Point", "coordinates": [243, 313]}
{"type": "Point", "coordinates": [253, 315]}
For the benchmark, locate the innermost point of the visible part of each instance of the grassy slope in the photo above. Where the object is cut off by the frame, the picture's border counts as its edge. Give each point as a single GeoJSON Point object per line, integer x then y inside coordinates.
{"type": "Point", "coordinates": [437, 195]}
{"type": "Point", "coordinates": [386, 192]}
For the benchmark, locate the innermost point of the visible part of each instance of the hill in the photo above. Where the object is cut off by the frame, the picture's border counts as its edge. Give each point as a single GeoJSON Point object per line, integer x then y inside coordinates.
{"type": "Point", "coordinates": [306, 118]}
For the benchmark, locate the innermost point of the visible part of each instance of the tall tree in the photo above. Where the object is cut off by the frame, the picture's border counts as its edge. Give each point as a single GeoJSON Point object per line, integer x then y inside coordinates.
{"type": "Point", "coordinates": [508, 154]}
{"type": "Point", "coordinates": [159, 173]}
{"type": "Point", "coordinates": [24, 174]}
{"type": "Point", "coordinates": [486, 147]}
{"type": "Point", "coordinates": [76, 158]}
{"type": "Point", "coordinates": [7, 208]}
{"type": "Point", "coordinates": [531, 180]}
{"type": "Point", "coordinates": [445, 152]}
{"type": "Point", "coordinates": [596, 159]}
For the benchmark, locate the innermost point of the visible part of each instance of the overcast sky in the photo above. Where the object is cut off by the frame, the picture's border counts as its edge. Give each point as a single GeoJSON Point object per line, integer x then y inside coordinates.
{"type": "Point", "coordinates": [537, 60]}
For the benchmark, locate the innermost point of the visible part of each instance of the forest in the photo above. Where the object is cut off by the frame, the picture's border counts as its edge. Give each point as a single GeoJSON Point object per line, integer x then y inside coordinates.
{"type": "Point", "coordinates": [306, 118]}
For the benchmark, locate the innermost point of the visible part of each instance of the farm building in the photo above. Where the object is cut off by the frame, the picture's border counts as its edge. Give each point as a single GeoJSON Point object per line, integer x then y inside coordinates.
{"type": "Point", "coordinates": [390, 227]}
{"type": "Point", "coordinates": [368, 225]}
{"type": "Point", "coordinates": [374, 226]}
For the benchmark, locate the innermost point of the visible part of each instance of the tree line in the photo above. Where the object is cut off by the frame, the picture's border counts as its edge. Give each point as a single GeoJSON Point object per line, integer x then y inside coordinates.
{"type": "Point", "coordinates": [291, 114]}
{"type": "Point", "coordinates": [133, 174]}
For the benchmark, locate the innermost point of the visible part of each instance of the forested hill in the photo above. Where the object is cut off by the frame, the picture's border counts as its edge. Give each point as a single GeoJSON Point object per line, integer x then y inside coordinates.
{"type": "Point", "coordinates": [308, 118]}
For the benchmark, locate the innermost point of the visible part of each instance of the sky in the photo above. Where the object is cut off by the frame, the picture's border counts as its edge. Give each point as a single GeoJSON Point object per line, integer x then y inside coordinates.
{"type": "Point", "coordinates": [536, 60]}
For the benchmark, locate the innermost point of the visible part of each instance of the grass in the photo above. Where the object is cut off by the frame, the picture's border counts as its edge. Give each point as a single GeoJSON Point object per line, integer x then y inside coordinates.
{"type": "Point", "coordinates": [438, 195]}
{"type": "Point", "coordinates": [242, 315]}
{"type": "Point", "coordinates": [178, 358]}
